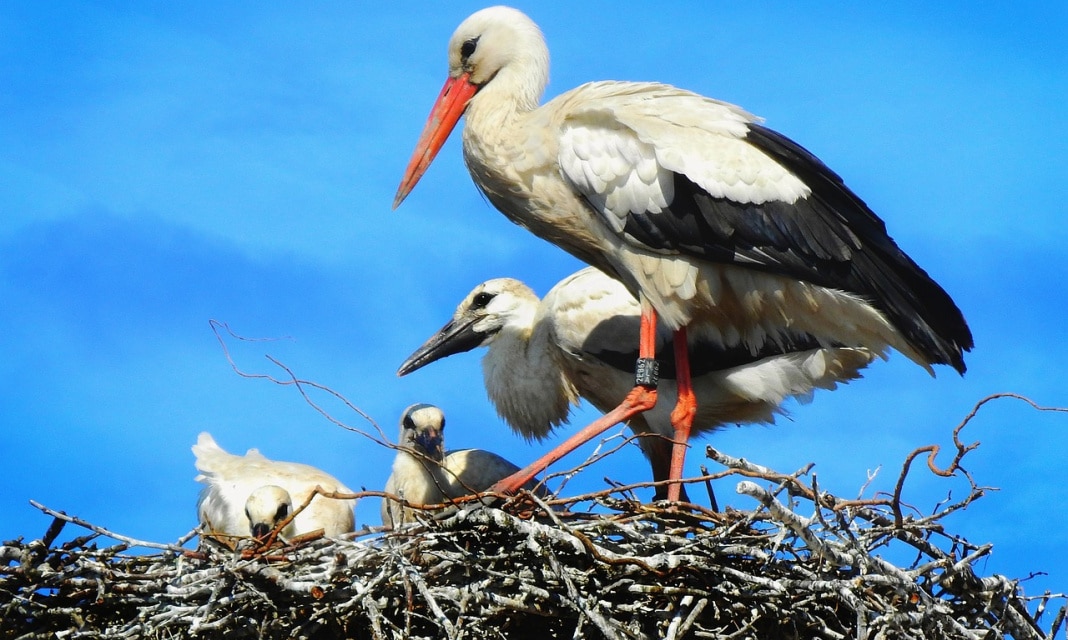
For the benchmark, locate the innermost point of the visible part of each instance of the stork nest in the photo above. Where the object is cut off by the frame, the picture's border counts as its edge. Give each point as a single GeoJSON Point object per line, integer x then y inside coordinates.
{"type": "Point", "coordinates": [801, 564]}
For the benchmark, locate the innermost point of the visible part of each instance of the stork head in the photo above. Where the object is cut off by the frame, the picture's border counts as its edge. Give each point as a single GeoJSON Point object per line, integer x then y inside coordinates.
{"type": "Point", "coordinates": [498, 45]}
{"type": "Point", "coordinates": [490, 308]}
{"type": "Point", "coordinates": [265, 508]}
{"type": "Point", "coordinates": [422, 428]}
{"type": "Point", "coordinates": [499, 39]}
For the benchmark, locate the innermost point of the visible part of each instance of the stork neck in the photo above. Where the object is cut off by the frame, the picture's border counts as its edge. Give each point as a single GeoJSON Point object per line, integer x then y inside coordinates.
{"type": "Point", "coordinates": [498, 106]}
{"type": "Point", "coordinates": [487, 121]}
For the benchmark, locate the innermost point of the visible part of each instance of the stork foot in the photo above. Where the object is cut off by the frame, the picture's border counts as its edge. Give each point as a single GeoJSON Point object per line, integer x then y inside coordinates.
{"type": "Point", "coordinates": [682, 420]}
{"type": "Point", "coordinates": [683, 414]}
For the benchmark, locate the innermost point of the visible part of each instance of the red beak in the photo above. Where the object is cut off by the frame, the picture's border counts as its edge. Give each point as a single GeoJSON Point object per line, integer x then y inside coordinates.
{"type": "Point", "coordinates": [443, 118]}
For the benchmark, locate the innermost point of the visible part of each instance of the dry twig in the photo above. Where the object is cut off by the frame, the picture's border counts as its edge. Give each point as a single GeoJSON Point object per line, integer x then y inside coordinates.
{"type": "Point", "coordinates": [802, 563]}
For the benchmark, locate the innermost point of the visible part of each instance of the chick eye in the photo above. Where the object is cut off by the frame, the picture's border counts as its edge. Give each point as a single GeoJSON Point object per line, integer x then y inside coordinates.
{"type": "Point", "coordinates": [468, 47]}
{"type": "Point", "coordinates": [283, 511]}
{"type": "Point", "coordinates": [481, 300]}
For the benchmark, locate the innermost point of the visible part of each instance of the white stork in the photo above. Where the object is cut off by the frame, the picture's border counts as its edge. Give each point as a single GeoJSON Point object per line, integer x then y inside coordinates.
{"type": "Point", "coordinates": [578, 341]}
{"type": "Point", "coordinates": [250, 494]}
{"type": "Point", "coordinates": [424, 474]}
{"type": "Point", "coordinates": [719, 225]}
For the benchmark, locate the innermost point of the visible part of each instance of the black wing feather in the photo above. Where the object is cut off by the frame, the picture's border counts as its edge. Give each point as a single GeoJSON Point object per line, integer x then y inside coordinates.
{"type": "Point", "coordinates": [830, 238]}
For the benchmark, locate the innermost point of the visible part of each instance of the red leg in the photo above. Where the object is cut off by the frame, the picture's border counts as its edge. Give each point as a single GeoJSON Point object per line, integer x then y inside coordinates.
{"type": "Point", "coordinates": [658, 449]}
{"type": "Point", "coordinates": [641, 398]}
{"type": "Point", "coordinates": [647, 332]}
{"type": "Point", "coordinates": [683, 413]}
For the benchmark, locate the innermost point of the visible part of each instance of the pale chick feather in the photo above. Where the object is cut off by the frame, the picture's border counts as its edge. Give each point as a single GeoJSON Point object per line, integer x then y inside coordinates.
{"type": "Point", "coordinates": [524, 380]}
{"type": "Point", "coordinates": [231, 479]}
{"type": "Point", "coordinates": [768, 383]}
{"type": "Point", "coordinates": [423, 476]}
{"type": "Point", "coordinates": [413, 480]}
{"type": "Point", "coordinates": [573, 168]}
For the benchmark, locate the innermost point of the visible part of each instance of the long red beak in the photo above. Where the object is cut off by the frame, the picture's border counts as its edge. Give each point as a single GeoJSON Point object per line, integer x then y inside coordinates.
{"type": "Point", "coordinates": [443, 118]}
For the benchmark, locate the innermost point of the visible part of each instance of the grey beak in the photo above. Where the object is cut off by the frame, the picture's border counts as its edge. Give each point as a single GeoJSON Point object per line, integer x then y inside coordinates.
{"type": "Point", "coordinates": [456, 336]}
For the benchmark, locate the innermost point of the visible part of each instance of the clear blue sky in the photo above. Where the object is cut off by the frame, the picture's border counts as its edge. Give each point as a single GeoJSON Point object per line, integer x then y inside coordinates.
{"type": "Point", "coordinates": [163, 165]}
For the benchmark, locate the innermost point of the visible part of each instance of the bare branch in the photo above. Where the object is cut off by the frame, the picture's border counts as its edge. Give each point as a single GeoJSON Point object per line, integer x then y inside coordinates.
{"type": "Point", "coordinates": [802, 563]}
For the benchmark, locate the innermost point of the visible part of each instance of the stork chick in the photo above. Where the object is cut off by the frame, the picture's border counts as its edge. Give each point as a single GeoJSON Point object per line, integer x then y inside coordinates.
{"type": "Point", "coordinates": [580, 341]}
{"type": "Point", "coordinates": [424, 474]}
{"type": "Point", "coordinates": [250, 494]}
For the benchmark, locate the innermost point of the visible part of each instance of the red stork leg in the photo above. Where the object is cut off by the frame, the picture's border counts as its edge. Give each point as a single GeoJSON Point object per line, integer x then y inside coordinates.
{"type": "Point", "coordinates": [641, 398]}
{"type": "Point", "coordinates": [683, 414]}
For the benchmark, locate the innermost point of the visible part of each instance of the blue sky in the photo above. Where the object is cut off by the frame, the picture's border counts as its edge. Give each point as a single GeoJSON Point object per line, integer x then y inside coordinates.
{"type": "Point", "coordinates": [161, 166]}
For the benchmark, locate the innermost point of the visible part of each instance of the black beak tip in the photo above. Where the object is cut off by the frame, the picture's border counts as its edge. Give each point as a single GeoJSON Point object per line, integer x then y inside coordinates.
{"type": "Point", "coordinates": [451, 339]}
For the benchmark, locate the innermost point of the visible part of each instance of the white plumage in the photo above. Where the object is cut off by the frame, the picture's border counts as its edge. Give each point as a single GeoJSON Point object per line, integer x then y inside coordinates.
{"type": "Point", "coordinates": [579, 340]}
{"type": "Point", "coordinates": [248, 495]}
{"type": "Point", "coordinates": [424, 474]}
{"type": "Point", "coordinates": [718, 225]}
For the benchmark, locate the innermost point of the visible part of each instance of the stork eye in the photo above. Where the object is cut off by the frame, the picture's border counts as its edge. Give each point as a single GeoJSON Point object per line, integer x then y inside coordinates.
{"type": "Point", "coordinates": [468, 47]}
{"type": "Point", "coordinates": [283, 511]}
{"type": "Point", "coordinates": [481, 300]}
{"type": "Point", "coordinates": [408, 422]}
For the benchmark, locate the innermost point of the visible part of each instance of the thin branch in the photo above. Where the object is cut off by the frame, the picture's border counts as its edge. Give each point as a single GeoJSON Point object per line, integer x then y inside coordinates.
{"type": "Point", "coordinates": [133, 542]}
{"type": "Point", "coordinates": [962, 450]}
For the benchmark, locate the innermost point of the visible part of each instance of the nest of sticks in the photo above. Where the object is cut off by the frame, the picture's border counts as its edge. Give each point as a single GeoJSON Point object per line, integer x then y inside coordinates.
{"type": "Point", "coordinates": [802, 563]}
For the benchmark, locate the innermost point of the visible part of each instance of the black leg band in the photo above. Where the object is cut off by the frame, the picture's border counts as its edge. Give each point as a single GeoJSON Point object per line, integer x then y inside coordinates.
{"type": "Point", "coordinates": [647, 373]}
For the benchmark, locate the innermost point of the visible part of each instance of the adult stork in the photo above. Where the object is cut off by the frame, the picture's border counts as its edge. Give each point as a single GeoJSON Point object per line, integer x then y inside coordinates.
{"type": "Point", "coordinates": [424, 474]}
{"type": "Point", "coordinates": [578, 341]}
{"type": "Point", "coordinates": [719, 225]}
{"type": "Point", "coordinates": [250, 494]}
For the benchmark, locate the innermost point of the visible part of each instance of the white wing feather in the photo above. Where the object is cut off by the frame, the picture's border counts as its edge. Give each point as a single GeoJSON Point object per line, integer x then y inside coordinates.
{"type": "Point", "coordinates": [621, 155]}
